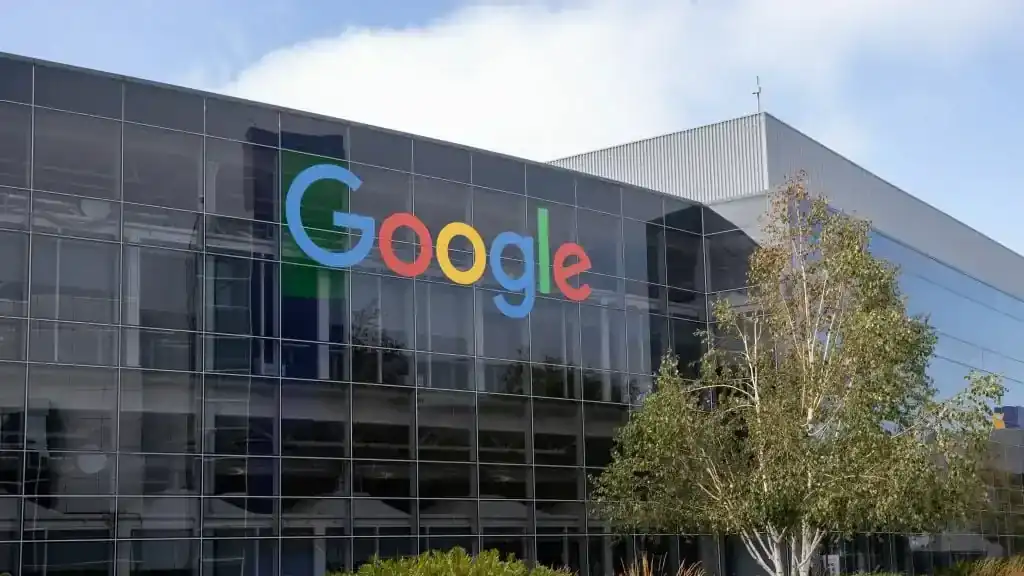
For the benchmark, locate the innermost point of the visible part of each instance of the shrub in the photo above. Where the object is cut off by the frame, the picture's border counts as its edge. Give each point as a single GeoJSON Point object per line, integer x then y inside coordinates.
{"type": "Point", "coordinates": [1012, 566]}
{"type": "Point", "coordinates": [455, 562]}
{"type": "Point", "coordinates": [645, 567]}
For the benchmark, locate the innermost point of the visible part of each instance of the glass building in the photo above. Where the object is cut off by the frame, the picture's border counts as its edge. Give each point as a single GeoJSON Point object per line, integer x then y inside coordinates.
{"type": "Point", "coordinates": [187, 392]}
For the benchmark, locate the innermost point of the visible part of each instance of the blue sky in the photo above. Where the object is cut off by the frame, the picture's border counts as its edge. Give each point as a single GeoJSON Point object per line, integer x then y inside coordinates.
{"type": "Point", "coordinates": [925, 98]}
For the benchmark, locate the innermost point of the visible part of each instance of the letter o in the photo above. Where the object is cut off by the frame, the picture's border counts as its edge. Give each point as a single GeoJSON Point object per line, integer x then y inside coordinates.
{"type": "Point", "coordinates": [444, 239]}
{"type": "Point", "coordinates": [387, 248]}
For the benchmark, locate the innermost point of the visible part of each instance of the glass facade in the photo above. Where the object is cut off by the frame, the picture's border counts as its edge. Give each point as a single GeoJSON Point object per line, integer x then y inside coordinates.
{"type": "Point", "coordinates": [185, 392]}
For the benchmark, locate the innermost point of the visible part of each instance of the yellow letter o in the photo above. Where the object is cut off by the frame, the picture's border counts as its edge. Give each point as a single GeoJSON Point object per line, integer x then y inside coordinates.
{"type": "Point", "coordinates": [444, 239]}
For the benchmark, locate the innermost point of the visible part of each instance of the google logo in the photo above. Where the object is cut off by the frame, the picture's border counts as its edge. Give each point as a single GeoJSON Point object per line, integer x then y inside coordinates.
{"type": "Point", "coordinates": [569, 259]}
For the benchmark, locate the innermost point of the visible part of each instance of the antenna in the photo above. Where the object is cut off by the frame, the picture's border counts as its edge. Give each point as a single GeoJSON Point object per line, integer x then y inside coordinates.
{"type": "Point", "coordinates": [757, 94]}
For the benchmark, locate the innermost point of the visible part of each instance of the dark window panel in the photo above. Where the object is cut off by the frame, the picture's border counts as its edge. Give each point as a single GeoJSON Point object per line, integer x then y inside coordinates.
{"type": "Point", "coordinates": [14, 209]}
{"type": "Point", "coordinates": [682, 214]}
{"type": "Point", "coordinates": [501, 336]}
{"type": "Point", "coordinates": [307, 291]}
{"type": "Point", "coordinates": [76, 407]}
{"type": "Point", "coordinates": [76, 154]}
{"type": "Point", "coordinates": [15, 144]}
{"type": "Point", "coordinates": [687, 305]}
{"type": "Point", "coordinates": [444, 319]}
{"type": "Point", "coordinates": [447, 426]}
{"type": "Point", "coordinates": [644, 246]}
{"type": "Point", "coordinates": [161, 106]}
{"type": "Point", "coordinates": [684, 259]}
{"type": "Point", "coordinates": [598, 195]}
{"type": "Point", "coordinates": [15, 81]}
{"type": "Point", "coordinates": [492, 171]}
{"type": "Point", "coordinates": [74, 216]}
{"type": "Point", "coordinates": [503, 430]}
{"type": "Point", "coordinates": [14, 273]}
{"type": "Point", "coordinates": [239, 419]}
{"type": "Point", "coordinates": [555, 333]}
{"type": "Point", "coordinates": [160, 349]}
{"type": "Point", "coordinates": [242, 180]}
{"type": "Point", "coordinates": [382, 422]}
{"type": "Point", "coordinates": [380, 148]}
{"type": "Point", "coordinates": [161, 413]}
{"type": "Point", "coordinates": [72, 343]}
{"type": "Point", "coordinates": [557, 432]}
{"type": "Point", "coordinates": [75, 280]}
{"type": "Point", "coordinates": [439, 202]}
{"type": "Point", "coordinates": [163, 227]}
{"type": "Point", "coordinates": [162, 167]}
{"type": "Point", "coordinates": [496, 212]}
{"type": "Point", "coordinates": [554, 184]}
{"type": "Point", "coordinates": [603, 338]}
{"type": "Point", "coordinates": [600, 235]}
{"type": "Point", "coordinates": [715, 222]}
{"type": "Point", "coordinates": [383, 311]}
{"type": "Point", "coordinates": [687, 345]}
{"type": "Point", "coordinates": [76, 91]}
{"type": "Point", "coordinates": [315, 419]}
{"type": "Point", "coordinates": [242, 355]}
{"type": "Point", "coordinates": [447, 480]}
{"type": "Point", "coordinates": [445, 371]}
{"type": "Point", "coordinates": [13, 335]}
{"type": "Point", "coordinates": [601, 422]}
{"type": "Point", "coordinates": [644, 205]}
{"type": "Point", "coordinates": [728, 255]}
{"type": "Point", "coordinates": [555, 381]}
{"type": "Point", "coordinates": [12, 425]}
{"type": "Point", "coordinates": [241, 121]}
{"type": "Point", "coordinates": [503, 376]}
{"type": "Point", "coordinates": [240, 237]}
{"type": "Point", "coordinates": [240, 298]}
{"type": "Point", "coordinates": [314, 136]}
{"type": "Point", "coordinates": [561, 225]}
{"type": "Point", "coordinates": [441, 161]}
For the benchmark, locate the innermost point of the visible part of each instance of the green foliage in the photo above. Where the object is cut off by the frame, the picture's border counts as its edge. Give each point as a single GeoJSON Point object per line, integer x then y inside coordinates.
{"type": "Point", "coordinates": [455, 562]}
{"type": "Point", "coordinates": [644, 566]}
{"type": "Point", "coordinates": [823, 418]}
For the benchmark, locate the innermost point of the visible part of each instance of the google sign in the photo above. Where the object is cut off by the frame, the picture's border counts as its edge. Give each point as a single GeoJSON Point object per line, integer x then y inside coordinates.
{"type": "Point", "coordinates": [569, 259]}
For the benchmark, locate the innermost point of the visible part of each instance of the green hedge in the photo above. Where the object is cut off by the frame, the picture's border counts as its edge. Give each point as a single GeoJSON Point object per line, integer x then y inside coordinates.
{"type": "Point", "coordinates": [455, 562]}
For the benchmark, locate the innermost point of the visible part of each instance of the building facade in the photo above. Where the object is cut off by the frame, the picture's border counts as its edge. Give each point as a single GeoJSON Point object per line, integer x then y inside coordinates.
{"type": "Point", "coordinates": [971, 287]}
{"type": "Point", "coordinates": [186, 390]}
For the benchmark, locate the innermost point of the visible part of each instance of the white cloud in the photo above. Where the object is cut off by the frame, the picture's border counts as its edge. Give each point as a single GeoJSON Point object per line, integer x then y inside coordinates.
{"type": "Point", "coordinates": [543, 81]}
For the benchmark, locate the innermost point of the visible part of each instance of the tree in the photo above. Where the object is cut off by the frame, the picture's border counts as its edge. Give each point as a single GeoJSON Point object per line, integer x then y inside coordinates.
{"type": "Point", "coordinates": [822, 418]}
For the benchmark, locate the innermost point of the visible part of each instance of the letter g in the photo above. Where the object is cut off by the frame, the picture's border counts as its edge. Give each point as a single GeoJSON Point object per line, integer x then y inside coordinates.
{"type": "Point", "coordinates": [293, 204]}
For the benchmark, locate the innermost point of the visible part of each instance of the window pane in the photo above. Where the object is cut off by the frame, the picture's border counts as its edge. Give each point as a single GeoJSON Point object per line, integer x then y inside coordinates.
{"type": "Point", "coordinates": [163, 227]}
{"type": "Point", "coordinates": [241, 180]}
{"type": "Point", "coordinates": [645, 251]}
{"type": "Point", "coordinates": [382, 311]}
{"type": "Point", "coordinates": [314, 419]}
{"type": "Point", "coordinates": [504, 422]}
{"type": "Point", "coordinates": [72, 343]}
{"type": "Point", "coordinates": [382, 425]}
{"type": "Point", "coordinates": [682, 214]}
{"type": "Point", "coordinates": [15, 143]}
{"type": "Point", "coordinates": [241, 121]}
{"type": "Point", "coordinates": [314, 136]}
{"type": "Point", "coordinates": [444, 319]}
{"type": "Point", "coordinates": [447, 425]}
{"type": "Point", "coordinates": [497, 212]}
{"type": "Point", "coordinates": [161, 288]}
{"type": "Point", "coordinates": [555, 332]}
{"type": "Point", "coordinates": [601, 422]}
{"type": "Point", "coordinates": [161, 349]}
{"type": "Point", "coordinates": [380, 148]}
{"type": "Point", "coordinates": [160, 413]}
{"type": "Point", "coordinates": [77, 154]}
{"type": "Point", "coordinates": [557, 432]}
{"type": "Point", "coordinates": [383, 193]}
{"type": "Point", "coordinates": [161, 106]}
{"type": "Point", "coordinates": [439, 203]}
{"type": "Point", "coordinates": [492, 171]}
{"type": "Point", "coordinates": [15, 85]}
{"type": "Point", "coordinates": [728, 255]}
{"type": "Point", "coordinates": [12, 421]}
{"type": "Point", "coordinates": [12, 338]}
{"type": "Point", "coordinates": [14, 273]}
{"type": "Point", "coordinates": [554, 184]}
{"type": "Point", "coordinates": [78, 91]}
{"type": "Point", "coordinates": [600, 235]}
{"type": "Point", "coordinates": [239, 237]}
{"type": "Point", "coordinates": [441, 161]}
{"type": "Point", "coordinates": [500, 336]}
{"type": "Point", "coordinates": [14, 208]}
{"type": "Point", "coordinates": [162, 167]}
{"type": "Point", "coordinates": [74, 216]}
{"type": "Point", "coordinates": [241, 296]}
{"type": "Point", "coordinates": [598, 195]}
{"type": "Point", "coordinates": [241, 412]}
{"type": "Point", "coordinates": [73, 408]}
{"type": "Point", "coordinates": [75, 280]}
{"type": "Point", "coordinates": [684, 259]}
{"type": "Point", "coordinates": [643, 205]}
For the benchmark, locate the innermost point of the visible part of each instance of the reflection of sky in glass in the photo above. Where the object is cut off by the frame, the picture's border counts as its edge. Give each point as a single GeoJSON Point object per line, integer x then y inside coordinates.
{"type": "Point", "coordinates": [979, 327]}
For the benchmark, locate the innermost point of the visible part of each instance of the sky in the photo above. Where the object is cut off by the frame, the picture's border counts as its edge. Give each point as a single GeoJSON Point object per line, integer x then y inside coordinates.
{"type": "Point", "coordinates": [921, 92]}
